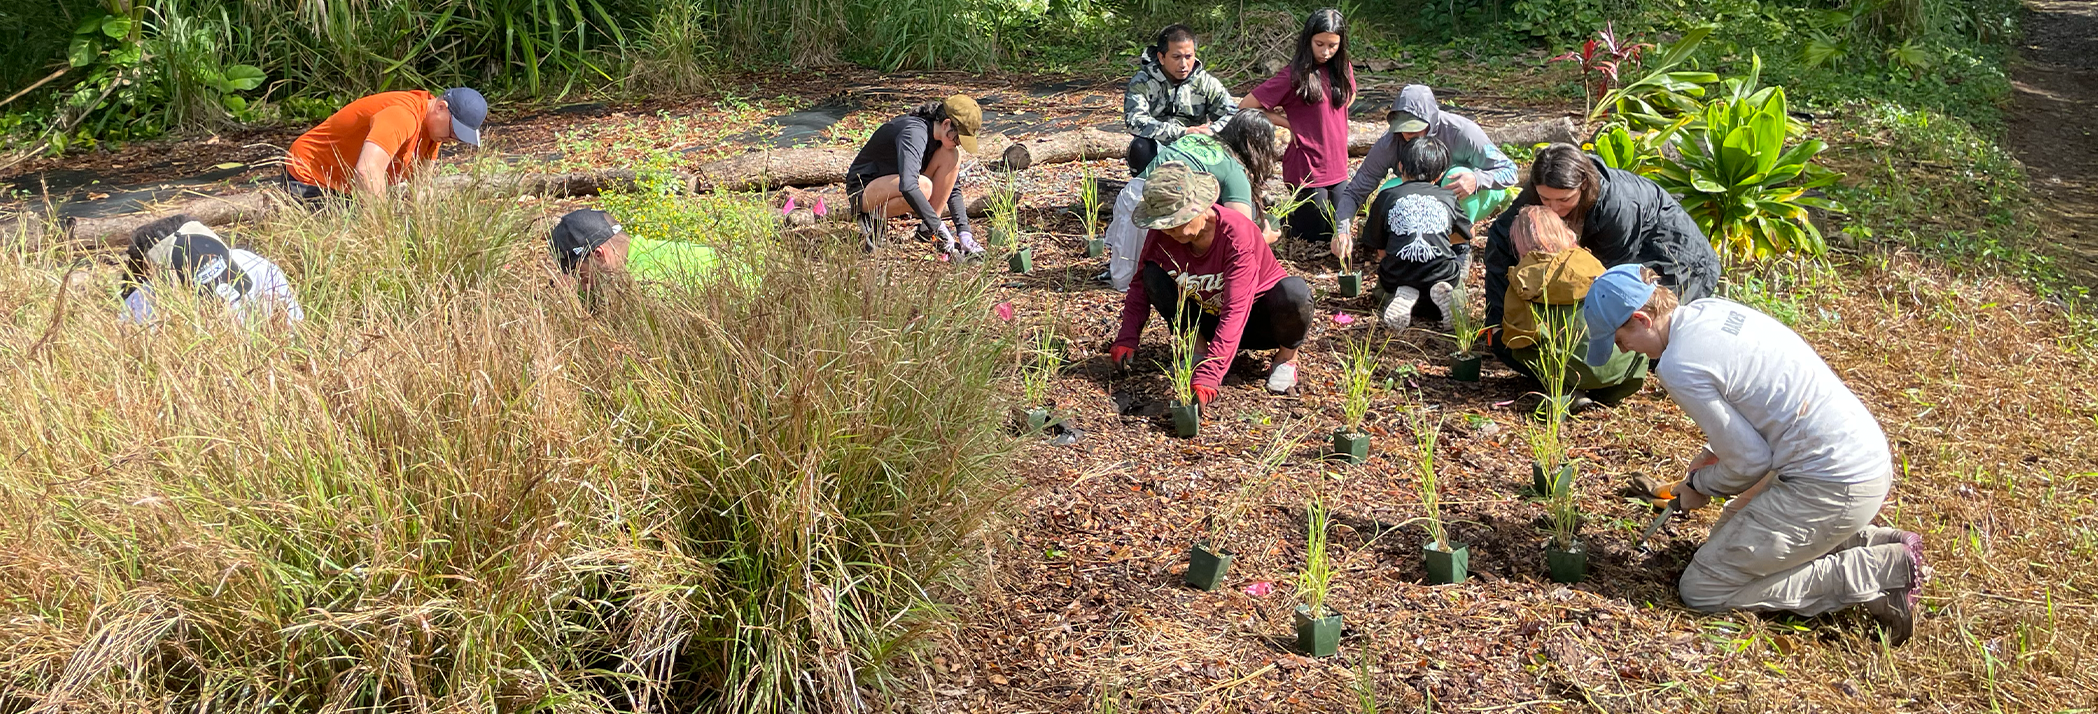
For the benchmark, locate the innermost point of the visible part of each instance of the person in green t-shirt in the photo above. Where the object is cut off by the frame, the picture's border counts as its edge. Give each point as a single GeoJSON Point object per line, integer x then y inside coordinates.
{"type": "Point", "coordinates": [591, 247]}
{"type": "Point", "coordinates": [1241, 157]}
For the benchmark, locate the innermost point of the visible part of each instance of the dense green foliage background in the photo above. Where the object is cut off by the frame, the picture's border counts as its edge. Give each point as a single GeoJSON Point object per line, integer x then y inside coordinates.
{"type": "Point", "coordinates": [141, 67]}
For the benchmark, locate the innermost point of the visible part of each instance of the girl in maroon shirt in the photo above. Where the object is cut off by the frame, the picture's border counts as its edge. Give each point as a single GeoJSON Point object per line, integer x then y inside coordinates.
{"type": "Point", "coordinates": [1310, 98]}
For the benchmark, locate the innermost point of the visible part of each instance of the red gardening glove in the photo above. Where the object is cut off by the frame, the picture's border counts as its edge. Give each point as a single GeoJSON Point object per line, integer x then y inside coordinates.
{"type": "Point", "coordinates": [1120, 355]}
{"type": "Point", "coordinates": [1204, 394]}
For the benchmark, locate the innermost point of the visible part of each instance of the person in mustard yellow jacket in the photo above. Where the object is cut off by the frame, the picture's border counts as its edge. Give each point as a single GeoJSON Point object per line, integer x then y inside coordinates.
{"type": "Point", "coordinates": [1551, 277]}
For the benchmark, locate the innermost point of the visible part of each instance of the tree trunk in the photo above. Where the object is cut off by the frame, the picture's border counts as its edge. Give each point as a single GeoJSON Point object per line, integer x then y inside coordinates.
{"type": "Point", "coordinates": [1090, 144]}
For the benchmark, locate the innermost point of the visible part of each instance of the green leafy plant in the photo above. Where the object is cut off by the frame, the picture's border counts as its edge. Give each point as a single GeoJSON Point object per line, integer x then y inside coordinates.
{"type": "Point", "coordinates": [1745, 187]}
{"type": "Point", "coordinates": [1316, 582]}
{"type": "Point", "coordinates": [1089, 200]}
{"type": "Point", "coordinates": [1464, 327]}
{"type": "Point", "coordinates": [1043, 361]}
{"type": "Point", "coordinates": [1559, 339]}
{"type": "Point", "coordinates": [1357, 379]}
{"type": "Point", "coordinates": [1664, 91]}
{"type": "Point", "coordinates": [1186, 348]}
{"type": "Point", "coordinates": [1426, 431]}
{"type": "Point", "coordinates": [1003, 205]}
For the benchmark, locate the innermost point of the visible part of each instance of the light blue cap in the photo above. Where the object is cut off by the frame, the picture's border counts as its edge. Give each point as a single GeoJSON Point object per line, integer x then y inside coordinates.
{"type": "Point", "coordinates": [1612, 299]}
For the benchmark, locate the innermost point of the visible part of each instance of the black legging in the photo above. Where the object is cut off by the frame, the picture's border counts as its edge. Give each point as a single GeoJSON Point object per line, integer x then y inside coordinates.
{"type": "Point", "coordinates": [1280, 317]}
{"type": "Point", "coordinates": [1309, 221]}
{"type": "Point", "coordinates": [1142, 152]}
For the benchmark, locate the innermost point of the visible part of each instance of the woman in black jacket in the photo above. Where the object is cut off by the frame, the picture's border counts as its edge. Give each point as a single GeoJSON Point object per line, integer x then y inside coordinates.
{"type": "Point", "coordinates": [1620, 217]}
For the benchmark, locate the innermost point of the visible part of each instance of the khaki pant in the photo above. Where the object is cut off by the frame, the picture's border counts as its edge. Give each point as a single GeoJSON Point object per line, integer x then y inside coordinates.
{"type": "Point", "coordinates": [1800, 545]}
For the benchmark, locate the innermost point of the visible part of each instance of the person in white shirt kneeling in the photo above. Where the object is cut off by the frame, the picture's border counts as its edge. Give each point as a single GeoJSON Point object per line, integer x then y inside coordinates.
{"type": "Point", "coordinates": [1805, 465]}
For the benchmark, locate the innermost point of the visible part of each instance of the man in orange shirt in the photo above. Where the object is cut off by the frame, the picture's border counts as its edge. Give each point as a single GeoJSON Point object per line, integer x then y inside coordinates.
{"type": "Point", "coordinates": [381, 140]}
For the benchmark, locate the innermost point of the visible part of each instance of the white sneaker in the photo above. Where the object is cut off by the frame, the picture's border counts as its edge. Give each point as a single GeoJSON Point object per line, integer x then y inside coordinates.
{"type": "Point", "coordinates": [1440, 295]}
{"type": "Point", "coordinates": [1399, 312]}
{"type": "Point", "coordinates": [1282, 378]}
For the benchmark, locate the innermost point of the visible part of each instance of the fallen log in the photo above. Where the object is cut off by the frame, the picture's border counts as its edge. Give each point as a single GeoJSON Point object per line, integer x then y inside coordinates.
{"type": "Point", "coordinates": [1088, 144]}
{"type": "Point", "coordinates": [113, 231]}
{"type": "Point", "coordinates": [1560, 130]}
{"type": "Point", "coordinates": [780, 168]}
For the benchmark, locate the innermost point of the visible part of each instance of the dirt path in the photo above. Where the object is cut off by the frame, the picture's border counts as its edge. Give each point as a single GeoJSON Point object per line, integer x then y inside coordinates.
{"type": "Point", "coordinates": [2055, 97]}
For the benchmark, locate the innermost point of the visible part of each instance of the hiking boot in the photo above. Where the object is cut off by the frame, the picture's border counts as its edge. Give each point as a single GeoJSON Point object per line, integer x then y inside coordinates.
{"type": "Point", "coordinates": [1282, 378]}
{"type": "Point", "coordinates": [1440, 295]}
{"type": "Point", "coordinates": [1105, 276]}
{"type": "Point", "coordinates": [1580, 402]}
{"type": "Point", "coordinates": [1399, 312]}
{"type": "Point", "coordinates": [1895, 613]}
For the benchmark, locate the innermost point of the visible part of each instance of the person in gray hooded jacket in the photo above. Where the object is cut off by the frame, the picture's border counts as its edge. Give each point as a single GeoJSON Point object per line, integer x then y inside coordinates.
{"type": "Point", "coordinates": [1415, 115]}
{"type": "Point", "coordinates": [1172, 96]}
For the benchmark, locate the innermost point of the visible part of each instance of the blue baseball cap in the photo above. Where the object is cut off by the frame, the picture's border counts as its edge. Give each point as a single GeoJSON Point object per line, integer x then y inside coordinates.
{"type": "Point", "coordinates": [468, 111]}
{"type": "Point", "coordinates": [1612, 299]}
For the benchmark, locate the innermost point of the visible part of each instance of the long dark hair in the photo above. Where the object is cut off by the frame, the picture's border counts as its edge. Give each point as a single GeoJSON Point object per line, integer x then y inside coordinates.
{"type": "Point", "coordinates": [933, 113]}
{"type": "Point", "coordinates": [1564, 167]}
{"type": "Point", "coordinates": [143, 239]}
{"type": "Point", "coordinates": [1251, 139]}
{"type": "Point", "coordinates": [1337, 85]}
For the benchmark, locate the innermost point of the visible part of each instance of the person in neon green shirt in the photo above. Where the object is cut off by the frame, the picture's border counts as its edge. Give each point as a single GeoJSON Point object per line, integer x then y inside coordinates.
{"type": "Point", "coordinates": [591, 246]}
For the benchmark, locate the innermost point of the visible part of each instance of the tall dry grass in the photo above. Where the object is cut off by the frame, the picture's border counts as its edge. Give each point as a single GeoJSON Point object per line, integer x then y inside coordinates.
{"type": "Point", "coordinates": [452, 487]}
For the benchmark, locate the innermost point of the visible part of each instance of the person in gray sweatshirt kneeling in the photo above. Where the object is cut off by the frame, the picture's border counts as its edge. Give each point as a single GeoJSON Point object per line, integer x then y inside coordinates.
{"type": "Point", "coordinates": [1804, 464]}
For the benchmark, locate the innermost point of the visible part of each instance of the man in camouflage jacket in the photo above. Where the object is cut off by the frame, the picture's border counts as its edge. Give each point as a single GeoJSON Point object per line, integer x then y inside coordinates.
{"type": "Point", "coordinates": [1172, 96]}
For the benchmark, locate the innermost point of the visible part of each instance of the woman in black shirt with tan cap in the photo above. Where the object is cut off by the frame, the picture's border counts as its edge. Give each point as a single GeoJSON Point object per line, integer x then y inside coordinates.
{"type": "Point", "coordinates": [911, 164]}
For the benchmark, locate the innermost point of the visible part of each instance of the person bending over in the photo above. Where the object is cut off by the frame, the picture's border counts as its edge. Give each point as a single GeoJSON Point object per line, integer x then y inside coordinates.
{"type": "Point", "coordinates": [1420, 240]}
{"type": "Point", "coordinates": [1241, 157]}
{"type": "Point", "coordinates": [1215, 258]}
{"type": "Point", "coordinates": [1802, 458]}
{"type": "Point", "coordinates": [379, 141]}
{"type": "Point", "coordinates": [179, 251]}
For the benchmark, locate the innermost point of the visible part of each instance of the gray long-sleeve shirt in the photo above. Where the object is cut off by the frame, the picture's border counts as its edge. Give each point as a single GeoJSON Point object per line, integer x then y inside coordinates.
{"type": "Point", "coordinates": [1765, 401]}
{"type": "Point", "coordinates": [1468, 145]}
{"type": "Point", "coordinates": [901, 148]}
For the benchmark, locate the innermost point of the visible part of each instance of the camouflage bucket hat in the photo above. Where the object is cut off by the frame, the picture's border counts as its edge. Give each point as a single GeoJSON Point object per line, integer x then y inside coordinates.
{"type": "Point", "coordinates": [1174, 195]}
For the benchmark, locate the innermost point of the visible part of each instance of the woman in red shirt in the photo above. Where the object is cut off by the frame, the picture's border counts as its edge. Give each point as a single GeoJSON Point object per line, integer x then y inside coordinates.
{"type": "Point", "coordinates": [1202, 256]}
{"type": "Point", "coordinates": [1310, 98]}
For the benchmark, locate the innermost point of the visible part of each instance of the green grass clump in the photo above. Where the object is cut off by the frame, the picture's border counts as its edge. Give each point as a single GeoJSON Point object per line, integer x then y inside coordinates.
{"type": "Point", "coordinates": [453, 487]}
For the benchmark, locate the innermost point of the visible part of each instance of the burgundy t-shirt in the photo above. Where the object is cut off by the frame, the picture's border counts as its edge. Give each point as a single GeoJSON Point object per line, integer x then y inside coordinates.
{"type": "Point", "coordinates": [1318, 148]}
{"type": "Point", "coordinates": [1238, 268]}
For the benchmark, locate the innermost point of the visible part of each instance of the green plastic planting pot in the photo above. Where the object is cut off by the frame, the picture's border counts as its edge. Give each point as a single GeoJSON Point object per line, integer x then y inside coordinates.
{"type": "Point", "coordinates": [1022, 260]}
{"type": "Point", "coordinates": [1095, 248]}
{"type": "Point", "coordinates": [1206, 568]}
{"type": "Point", "coordinates": [1351, 447]}
{"type": "Point", "coordinates": [1317, 636]}
{"type": "Point", "coordinates": [1037, 420]}
{"type": "Point", "coordinates": [1465, 367]}
{"type": "Point", "coordinates": [1350, 284]}
{"type": "Point", "coordinates": [1447, 567]}
{"type": "Point", "coordinates": [1187, 419]}
{"type": "Point", "coordinates": [1567, 566]}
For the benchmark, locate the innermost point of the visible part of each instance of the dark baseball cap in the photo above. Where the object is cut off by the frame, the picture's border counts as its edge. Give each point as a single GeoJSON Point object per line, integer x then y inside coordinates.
{"type": "Point", "coordinates": [580, 232]}
{"type": "Point", "coordinates": [468, 111]}
{"type": "Point", "coordinates": [192, 254]}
